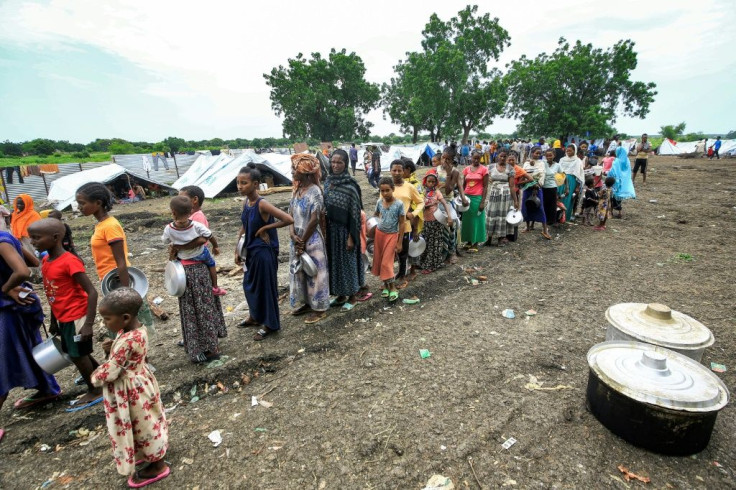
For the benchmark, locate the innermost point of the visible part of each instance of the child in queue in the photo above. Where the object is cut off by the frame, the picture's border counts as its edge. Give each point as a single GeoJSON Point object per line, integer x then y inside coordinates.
{"type": "Point", "coordinates": [73, 302]}
{"type": "Point", "coordinates": [67, 242]}
{"type": "Point", "coordinates": [387, 242]}
{"type": "Point", "coordinates": [135, 416]}
{"type": "Point", "coordinates": [590, 200]}
{"type": "Point", "coordinates": [180, 233]}
{"type": "Point", "coordinates": [604, 203]}
{"type": "Point", "coordinates": [434, 255]}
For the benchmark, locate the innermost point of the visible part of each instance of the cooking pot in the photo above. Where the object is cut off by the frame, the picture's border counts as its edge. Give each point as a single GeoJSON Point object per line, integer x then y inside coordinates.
{"type": "Point", "coordinates": [175, 279]}
{"type": "Point", "coordinates": [653, 397]}
{"type": "Point", "coordinates": [461, 208]}
{"type": "Point", "coordinates": [514, 217]}
{"type": "Point", "coordinates": [49, 357]}
{"type": "Point", "coordinates": [138, 281]}
{"type": "Point", "coordinates": [371, 223]}
{"type": "Point", "coordinates": [417, 248]}
{"type": "Point", "coordinates": [441, 216]}
{"type": "Point", "coordinates": [659, 325]}
{"type": "Point", "coordinates": [303, 262]}
{"type": "Point", "coordinates": [242, 251]}
{"type": "Point", "coordinates": [533, 203]}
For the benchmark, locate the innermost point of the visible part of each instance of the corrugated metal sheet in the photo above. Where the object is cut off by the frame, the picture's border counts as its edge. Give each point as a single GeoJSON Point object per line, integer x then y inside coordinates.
{"type": "Point", "coordinates": [34, 185]}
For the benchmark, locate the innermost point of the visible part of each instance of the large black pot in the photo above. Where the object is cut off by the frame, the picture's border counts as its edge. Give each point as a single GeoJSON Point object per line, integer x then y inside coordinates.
{"type": "Point", "coordinates": [669, 411]}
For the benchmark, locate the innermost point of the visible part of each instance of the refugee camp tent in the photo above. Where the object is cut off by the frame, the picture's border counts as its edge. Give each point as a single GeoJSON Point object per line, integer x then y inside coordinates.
{"type": "Point", "coordinates": [670, 147]}
{"type": "Point", "coordinates": [62, 192]}
{"type": "Point", "coordinates": [413, 152]}
{"type": "Point", "coordinates": [216, 173]}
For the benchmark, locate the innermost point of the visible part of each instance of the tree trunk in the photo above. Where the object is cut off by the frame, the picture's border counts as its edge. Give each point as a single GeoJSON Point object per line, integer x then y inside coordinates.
{"type": "Point", "coordinates": [466, 133]}
{"type": "Point", "coordinates": [414, 135]}
{"type": "Point", "coordinates": [431, 136]}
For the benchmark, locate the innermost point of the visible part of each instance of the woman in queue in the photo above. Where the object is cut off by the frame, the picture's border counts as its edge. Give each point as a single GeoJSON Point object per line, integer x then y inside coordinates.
{"type": "Point", "coordinates": [473, 231]}
{"type": "Point", "coordinates": [501, 197]}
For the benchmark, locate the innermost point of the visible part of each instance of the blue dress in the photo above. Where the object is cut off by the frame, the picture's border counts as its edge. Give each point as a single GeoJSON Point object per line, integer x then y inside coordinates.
{"type": "Point", "coordinates": [19, 334]}
{"type": "Point", "coordinates": [259, 282]}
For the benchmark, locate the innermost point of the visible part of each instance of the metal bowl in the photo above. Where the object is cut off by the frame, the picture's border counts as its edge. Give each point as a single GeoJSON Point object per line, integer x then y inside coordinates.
{"type": "Point", "coordinates": [308, 265]}
{"type": "Point", "coordinates": [138, 281]}
{"type": "Point", "coordinates": [441, 216]}
{"type": "Point", "coordinates": [371, 223]}
{"type": "Point", "coordinates": [242, 252]}
{"type": "Point", "coordinates": [514, 217]}
{"type": "Point", "coordinates": [460, 206]}
{"type": "Point", "coordinates": [49, 357]}
{"type": "Point", "coordinates": [417, 248]}
{"type": "Point", "coordinates": [175, 279]}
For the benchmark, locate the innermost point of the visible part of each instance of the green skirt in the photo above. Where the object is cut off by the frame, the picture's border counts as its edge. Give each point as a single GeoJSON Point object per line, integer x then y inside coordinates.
{"type": "Point", "coordinates": [474, 224]}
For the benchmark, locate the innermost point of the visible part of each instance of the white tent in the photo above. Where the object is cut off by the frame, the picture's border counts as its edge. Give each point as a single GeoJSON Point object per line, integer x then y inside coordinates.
{"type": "Point", "coordinates": [414, 152]}
{"type": "Point", "coordinates": [213, 173]}
{"type": "Point", "coordinates": [670, 147]}
{"type": "Point", "coordinates": [63, 191]}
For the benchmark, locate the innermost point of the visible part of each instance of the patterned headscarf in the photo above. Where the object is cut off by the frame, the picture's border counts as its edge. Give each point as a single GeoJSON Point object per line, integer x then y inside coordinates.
{"type": "Point", "coordinates": [305, 164]}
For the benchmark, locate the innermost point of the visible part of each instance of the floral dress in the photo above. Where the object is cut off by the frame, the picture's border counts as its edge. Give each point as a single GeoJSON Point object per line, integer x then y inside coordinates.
{"type": "Point", "coordinates": [135, 415]}
{"type": "Point", "coordinates": [306, 290]}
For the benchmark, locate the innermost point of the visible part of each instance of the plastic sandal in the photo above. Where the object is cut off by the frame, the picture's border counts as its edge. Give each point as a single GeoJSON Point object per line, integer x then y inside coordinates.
{"type": "Point", "coordinates": [76, 407]}
{"type": "Point", "coordinates": [393, 296]}
{"type": "Point", "coordinates": [133, 484]}
{"type": "Point", "coordinates": [384, 293]}
{"type": "Point", "coordinates": [546, 236]}
{"type": "Point", "coordinates": [365, 298]}
{"type": "Point", "coordinates": [347, 306]}
{"type": "Point", "coordinates": [29, 402]}
{"type": "Point", "coordinates": [318, 316]}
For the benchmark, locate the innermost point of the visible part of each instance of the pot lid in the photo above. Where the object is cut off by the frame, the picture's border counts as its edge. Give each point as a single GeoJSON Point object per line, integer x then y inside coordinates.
{"type": "Point", "coordinates": [657, 376]}
{"type": "Point", "coordinates": [655, 323]}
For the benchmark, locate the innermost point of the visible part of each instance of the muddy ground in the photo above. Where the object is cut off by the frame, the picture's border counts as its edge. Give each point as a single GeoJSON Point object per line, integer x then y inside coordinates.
{"type": "Point", "coordinates": [351, 404]}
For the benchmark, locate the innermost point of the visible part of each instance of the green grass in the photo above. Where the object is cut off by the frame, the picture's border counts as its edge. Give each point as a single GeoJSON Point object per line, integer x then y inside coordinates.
{"type": "Point", "coordinates": [7, 161]}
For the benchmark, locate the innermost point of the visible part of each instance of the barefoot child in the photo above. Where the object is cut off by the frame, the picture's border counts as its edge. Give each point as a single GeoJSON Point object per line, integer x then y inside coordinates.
{"type": "Point", "coordinates": [135, 415]}
{"type": "Point", "coordinates": [387, 242]}
{"type": "Point", "coordinates": [73, 302]}
{"type": "Point", "coordinates": [183, 231]}
{"type": "Point", "coordinates": [590, 200]}
{"type": "Point", "coordinates": [604, 203]}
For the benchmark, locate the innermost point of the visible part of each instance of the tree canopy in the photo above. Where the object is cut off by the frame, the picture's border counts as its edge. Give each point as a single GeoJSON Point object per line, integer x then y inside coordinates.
{"type": "Point", "coordinates": [323, 98]}
{"type": "Point", "coordinates": [449, 85]}
{"type": "Point", "coordinates": [577, 89]}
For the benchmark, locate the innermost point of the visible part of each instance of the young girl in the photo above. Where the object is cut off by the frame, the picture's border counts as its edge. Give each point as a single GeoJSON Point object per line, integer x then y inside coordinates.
{"type": "Point", "coordinates": [590, 201]}
{"type": "Point", "coordinates": [387, 243]}
{"type": "Point", "coordinates": [604, 203]}
{"type": "Point", "coordinates": [262, 251]}
{"type": "Point", "coordinates": [434, 255]}
{"type": "Point", "coordinates": [135, 415]}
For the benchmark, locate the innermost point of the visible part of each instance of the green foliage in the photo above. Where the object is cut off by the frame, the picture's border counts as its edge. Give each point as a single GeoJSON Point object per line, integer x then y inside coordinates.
{"type": "Point", "coordinates": [39, 146]}
{"type": "Point", "coordinates": [11, 149]}
{"type": "Point", "coordinates": [121, 147]}
{"type": "Point", "coordinates": [672, 131]}
{"type": "Point", "coordinates": [449, 83]}
{"type": "Point", "coordinates": [731, 135]}
{"type": "Point", "coordinates": [577, 88]}
{"type": "Point", "coordinates": [323, 98]}
{"type": "Point", "coordinates": [56, 158]}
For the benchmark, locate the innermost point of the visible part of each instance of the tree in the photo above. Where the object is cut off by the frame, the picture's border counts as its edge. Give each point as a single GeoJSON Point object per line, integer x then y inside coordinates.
{"type": "Point", "coordinates": [11, 149]}
{"type": "Point", "coordinates": [39, 146]}
{"type": "Point", "coordinates": [323, 98]}
{"type": "Point", "coordinates": [672, 131]}
{"type": "Point", "coordinates": [576, 89]}
{"type": "Point", "coordinates": [731, 135]}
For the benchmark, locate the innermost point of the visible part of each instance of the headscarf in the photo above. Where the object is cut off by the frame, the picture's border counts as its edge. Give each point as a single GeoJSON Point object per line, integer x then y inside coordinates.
{"type": "Point", "coordinates": [21, 220]}
{"type": "Point", "coordinates": [621, 171]}
{"type": "Point", "coordinates": [557, 144]}
{"type": "Point", "coordinates": [573, 165]}
{"type": "Point", "coordinates": [343, 200]}
{"type": "Point", "coordinates": [305, 164]}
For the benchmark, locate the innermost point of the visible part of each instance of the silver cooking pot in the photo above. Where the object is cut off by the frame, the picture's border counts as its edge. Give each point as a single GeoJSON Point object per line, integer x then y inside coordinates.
{"type": "Point", "coordinates": [49, 357]}
{"type": "Point", "coordinates": [175, 279]}
{"type": "Point", "coordinates": [138, 281]}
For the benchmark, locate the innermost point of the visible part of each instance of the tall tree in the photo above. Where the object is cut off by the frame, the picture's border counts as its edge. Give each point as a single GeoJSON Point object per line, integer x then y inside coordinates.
{"type": "Point", "coordinates": [577, 88]}
{"type": "Point", "coordinates": [323, 98]}
{"type": "Point", "coordinates": [672, 131]}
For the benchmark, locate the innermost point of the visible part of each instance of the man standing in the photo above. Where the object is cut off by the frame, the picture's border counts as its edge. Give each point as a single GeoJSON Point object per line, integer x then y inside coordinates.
{"type": "Point", "coordinates": [716, 147]}
{"type": "Point", "coordinates": [376, 167]}
{"type": "Point", "coordinates": [642, 156]}
{"type": "Point", "coordinates": [353, 157]}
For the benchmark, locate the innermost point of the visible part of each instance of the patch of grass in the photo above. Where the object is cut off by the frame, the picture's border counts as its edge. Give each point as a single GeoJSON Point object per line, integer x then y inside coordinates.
{"type": "Point", "coordinates": [7, 161]}
{"type": "Point", "coordinates": [683, 257]}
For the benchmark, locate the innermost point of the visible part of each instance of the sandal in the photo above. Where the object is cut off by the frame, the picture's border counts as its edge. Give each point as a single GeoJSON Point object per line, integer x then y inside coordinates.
{"type": "Point", "coordinates": [143, 482]}
{"type": "Point", "coordinates": [248, 322]}
{"type": "Point", "coordinates": [263, 333]}
{"type": "Point", "coordinates": [426, 271]}
{"type": "Point", "coordinates": [336, 301]}
{"type": "Point", "coordinates": [366, 297]}
{"type": "Point", "coordinates": [401, 286]}
{"type": "Point", "coordinates": [347, 306]}
{"type": "Point", "coordinates": [473, 250]}
{"type": "Point", "coordinates": [393, 296]}
{"type": "Point", "coordinates": [301, 310]}
{"type": "Point", "coordinates": [546, 236]}
{"type": "Point", "coordinates": [317, 316]}
{"type": "Point", "coordinates": [384, 293]}
{"type": "Point", "coordinates": [32, 401]}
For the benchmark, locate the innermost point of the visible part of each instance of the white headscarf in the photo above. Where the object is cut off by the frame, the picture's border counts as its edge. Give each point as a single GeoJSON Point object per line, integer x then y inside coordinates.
{"type": "Point", "coordinates": [573, 165]}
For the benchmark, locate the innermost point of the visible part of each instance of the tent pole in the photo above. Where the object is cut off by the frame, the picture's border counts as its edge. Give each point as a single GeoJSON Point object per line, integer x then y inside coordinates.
{"type": "Point", "coordinates": [176, 167]}
{"type": "Point", "coordinates": [5, 187]}
{"type": "Point", "coordinates": [46, 186]}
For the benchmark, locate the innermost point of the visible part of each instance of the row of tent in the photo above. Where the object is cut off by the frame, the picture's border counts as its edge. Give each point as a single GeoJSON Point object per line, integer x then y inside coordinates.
{"type": "Point", "coordinates": [216, 173]}
{"type": "Point", "coordinates": [671, 147]}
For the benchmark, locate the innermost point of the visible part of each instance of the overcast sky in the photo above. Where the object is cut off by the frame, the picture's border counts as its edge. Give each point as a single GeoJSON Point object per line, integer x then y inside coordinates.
{"type": "Point", "coordinates": [86, 69]}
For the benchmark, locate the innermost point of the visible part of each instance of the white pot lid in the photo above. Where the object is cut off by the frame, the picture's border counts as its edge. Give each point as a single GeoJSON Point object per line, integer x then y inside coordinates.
{"type": "Point", "coordinates": [417, 248]}
{"type": "Point", "coordinates": [657, 376]}
{"type": "Point", "coordinates": [514, 217]}
{"type": "Point", "coordinates": [657, 324]}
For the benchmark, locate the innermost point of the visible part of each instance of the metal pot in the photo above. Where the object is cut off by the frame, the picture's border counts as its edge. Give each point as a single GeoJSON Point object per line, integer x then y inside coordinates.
{"type": "Point", "coordinates": [138, 281]}
{"type": "Point", "coordinates": [658, 325]}
{"type": "Point", "coordinates": [653, 397]}
{"type": "Point", "coordinates": [514, 217]}
{"type": "Point", "coordinates": [49, 357]}
{"type": "Point", "coordinates": [175, 279]}
{"type": "Point", "coordinates": [417, 248]}
{"type": "Point", "coordinates": [242, 251]}
{"type": "Point", "coordinates": [441, 216]}
{"type": "Point", "coordinates": [303, 262]}
{"type": "Point", "coordinates": [460, 206]}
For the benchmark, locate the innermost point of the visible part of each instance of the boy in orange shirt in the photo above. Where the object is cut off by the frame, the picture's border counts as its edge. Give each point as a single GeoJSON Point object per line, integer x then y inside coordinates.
{"type": "Point", "coordinates": [73, 302]}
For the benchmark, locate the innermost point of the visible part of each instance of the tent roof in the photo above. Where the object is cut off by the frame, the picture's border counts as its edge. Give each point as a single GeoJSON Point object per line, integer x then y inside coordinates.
{"type": "Point", "coordinates": [63, 190]}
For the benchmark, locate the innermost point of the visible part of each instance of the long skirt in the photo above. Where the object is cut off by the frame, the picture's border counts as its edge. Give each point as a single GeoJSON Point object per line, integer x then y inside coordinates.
{"type": "Point", "coordinates": [311, 290]}
{"type": "Point", "coordinates": [346, 266]}
{"type": "Point", "coordinates": [572, 186]}
{"type": "Point", "coordinates": [435, 253]}
{"type": "Point", "coordinates": [260, 286]}
{"type": "Point", "coordinates": [549, 202]}
{"type": "Point", "coordinates": [499, 203]}
{"type": "Point", "coordinates": [200, 312]}
{"type": "Point", "coordinates": [19, 334]}
{"type": "Point", "coordinates": [536, 215]}
{"type": "Point", "coordinates": [474, 229]}
{"type": "Point", "coordinates": [384, 251]}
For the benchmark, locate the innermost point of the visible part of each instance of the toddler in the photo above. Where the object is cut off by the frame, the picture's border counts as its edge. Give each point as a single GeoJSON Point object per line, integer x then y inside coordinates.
{"type": "Point", "coordinates": [184, 235]}
{"type": "Point", "coordinates": [604, 203]}
{"type": "Point", "coordinates": [590, 201]}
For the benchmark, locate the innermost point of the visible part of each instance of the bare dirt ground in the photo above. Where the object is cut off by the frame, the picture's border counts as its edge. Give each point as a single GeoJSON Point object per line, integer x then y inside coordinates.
{"type": "Point", "coordinates": [349, 403]}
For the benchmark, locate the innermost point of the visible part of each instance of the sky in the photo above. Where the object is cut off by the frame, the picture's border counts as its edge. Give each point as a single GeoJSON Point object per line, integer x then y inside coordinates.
{"type": "Point", "coordinates": [79, 70]}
